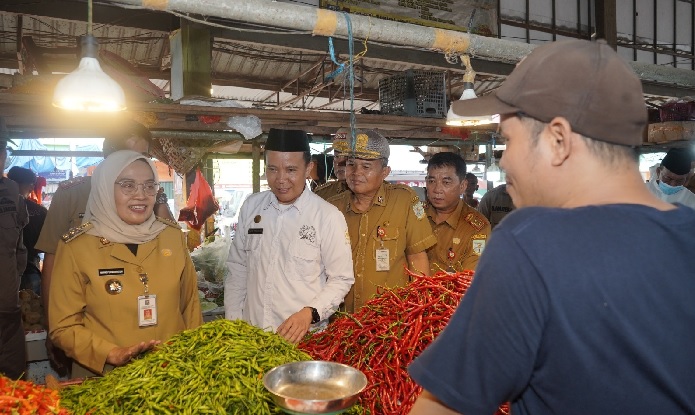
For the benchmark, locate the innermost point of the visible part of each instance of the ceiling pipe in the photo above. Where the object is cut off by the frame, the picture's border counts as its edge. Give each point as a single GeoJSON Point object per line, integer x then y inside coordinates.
{"type": "Point", "coordinates": [324, 22]}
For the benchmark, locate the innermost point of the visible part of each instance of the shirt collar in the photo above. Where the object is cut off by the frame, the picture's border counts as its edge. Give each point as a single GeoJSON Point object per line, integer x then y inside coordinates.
{"type": "Point", "coordinates": [379, 197]}
{"type": "Point", "coordinates": [453, 219]}
{"type": "Point", "coordinates": [300, 204]}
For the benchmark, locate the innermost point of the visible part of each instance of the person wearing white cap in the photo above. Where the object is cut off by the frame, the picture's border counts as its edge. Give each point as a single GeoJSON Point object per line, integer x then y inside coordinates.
{"type": "Point", "coordinates": [582, 302]}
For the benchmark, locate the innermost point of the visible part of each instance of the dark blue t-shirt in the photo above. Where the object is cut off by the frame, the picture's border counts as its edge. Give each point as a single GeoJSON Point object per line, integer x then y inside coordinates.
{"type": "Point", "coordinates": [574, 311]}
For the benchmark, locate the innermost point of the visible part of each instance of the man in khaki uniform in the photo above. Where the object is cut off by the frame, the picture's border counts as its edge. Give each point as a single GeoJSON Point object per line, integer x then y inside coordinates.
{"type": "Point", "coordinates": [13, 260]}
{"type": "Point", "coordinates": [461, 231]}
{"type": "Point", "coordinates": [387, 223]}
{"type": "Point", "coordinates": [340, 151]}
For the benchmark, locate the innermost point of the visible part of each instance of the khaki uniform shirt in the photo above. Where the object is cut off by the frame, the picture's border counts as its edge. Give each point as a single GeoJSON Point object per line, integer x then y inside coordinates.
{"type": "Point", "coordinates": [398, 210]}
{"type": "Point", "coordinates": [66, 212]}
{"type": "Point", "coordinates": [88, 316]}
{"type": "Point", "coordinates": [461, 239]}
{"type": "Point", "coordinates": [330, 189]}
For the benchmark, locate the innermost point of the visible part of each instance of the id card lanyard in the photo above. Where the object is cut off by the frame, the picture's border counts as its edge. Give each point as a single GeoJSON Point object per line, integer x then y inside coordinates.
{"type": "Point", "coordinates": [382, 254]}
{"type": "Point", "coordinates": [147, 303]}
{"type": "Point", "coordinates": [450, 256]}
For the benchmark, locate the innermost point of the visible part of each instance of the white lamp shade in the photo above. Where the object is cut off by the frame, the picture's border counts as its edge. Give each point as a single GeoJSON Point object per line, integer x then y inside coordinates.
{"type": "Point", "coordinates": [88, 88]}
{"type": "Point", "coordinates": [459, 121]}
{"type": "Point", "coordinates": [493, 173]}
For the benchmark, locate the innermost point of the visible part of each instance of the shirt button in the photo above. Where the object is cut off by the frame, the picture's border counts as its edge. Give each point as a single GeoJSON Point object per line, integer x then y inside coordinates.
{"type": "Point", "coordinates": [363, 234]}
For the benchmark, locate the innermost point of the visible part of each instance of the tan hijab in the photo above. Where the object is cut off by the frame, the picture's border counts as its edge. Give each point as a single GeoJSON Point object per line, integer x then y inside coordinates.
{"type": "Point", "coordinates": [101, 206]}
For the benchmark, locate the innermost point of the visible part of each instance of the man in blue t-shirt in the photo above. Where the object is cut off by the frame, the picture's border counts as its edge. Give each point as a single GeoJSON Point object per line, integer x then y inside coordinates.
{"type": "Point", "coordinates": [583, 299]}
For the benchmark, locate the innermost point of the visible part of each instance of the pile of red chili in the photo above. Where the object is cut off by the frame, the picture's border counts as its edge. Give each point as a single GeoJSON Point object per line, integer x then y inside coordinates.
{"type": "Point", "coordinates": [387, 333]}
{"type": "Point", "coordinates": [24, 398]}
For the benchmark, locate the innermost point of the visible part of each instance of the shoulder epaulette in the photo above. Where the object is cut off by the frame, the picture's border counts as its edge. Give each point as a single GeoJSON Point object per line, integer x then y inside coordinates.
{"type": "Point", "coordinates": [169, 222]}
{"type": "Point", "coordinates": [337, 197]}
{"type": "Point", "coordinates": [66, 184]}
{"type": "Point", "coordinates": [75, 232]}
{"type": "Point", "coordinates": [413, 195]}
{"type": "Point", "coordinates": [476, 220]}
{"type": "Point", "coordinates": [323, 186]}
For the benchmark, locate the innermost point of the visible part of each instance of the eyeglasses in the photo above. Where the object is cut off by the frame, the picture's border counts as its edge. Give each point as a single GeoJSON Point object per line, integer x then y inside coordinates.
{"type": "Point", "coordinates": [129, 187]}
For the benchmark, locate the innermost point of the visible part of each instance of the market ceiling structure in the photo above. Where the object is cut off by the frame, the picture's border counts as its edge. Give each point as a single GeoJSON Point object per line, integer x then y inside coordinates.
{"type": "Point", "coordinates": [282, 70]}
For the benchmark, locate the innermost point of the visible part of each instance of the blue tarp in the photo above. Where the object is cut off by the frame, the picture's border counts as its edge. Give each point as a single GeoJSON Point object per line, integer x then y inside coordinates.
{"type": "Point", "coordinates": [43, 164]}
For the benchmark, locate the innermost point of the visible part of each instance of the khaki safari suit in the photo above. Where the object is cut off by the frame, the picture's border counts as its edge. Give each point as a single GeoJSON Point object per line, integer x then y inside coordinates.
{"type": "Point", "coordinates": [398, 210]}
{"type": "Point", "coordinates": [89, 316]}
{"type": "Point", "coordinates": [330, 189]}
{"type": "Point", "coordinates": [67, 210]}
{"type": "Point", "coordinates": [461, 239]}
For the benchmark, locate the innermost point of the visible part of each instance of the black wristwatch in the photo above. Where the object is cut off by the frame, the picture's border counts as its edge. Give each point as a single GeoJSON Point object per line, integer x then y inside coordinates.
{"type": "Point", "coordinates": [315, 316]}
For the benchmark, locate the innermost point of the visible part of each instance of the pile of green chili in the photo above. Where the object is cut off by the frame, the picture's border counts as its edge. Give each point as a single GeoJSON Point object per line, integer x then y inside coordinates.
{"type": "Point", "coordinates": [217, 368]}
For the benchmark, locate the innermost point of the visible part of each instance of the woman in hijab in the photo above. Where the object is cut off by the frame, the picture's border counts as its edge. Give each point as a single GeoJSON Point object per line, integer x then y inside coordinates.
{"type": "Point", "coordinates": [123, 281]}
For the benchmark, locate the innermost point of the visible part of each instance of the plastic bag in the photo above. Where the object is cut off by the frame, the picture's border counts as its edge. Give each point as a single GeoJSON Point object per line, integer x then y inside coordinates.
{"type": "Point", "coordinates": [249, 126]}
{"type": "Point", "coordinates": [210, 261]}
{"type": "Point", "coordinates": [201, 203]}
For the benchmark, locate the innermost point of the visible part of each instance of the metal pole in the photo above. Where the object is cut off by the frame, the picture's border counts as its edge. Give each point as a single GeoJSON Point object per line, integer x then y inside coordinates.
{"type": "Point", "coordinates": [256, 166]}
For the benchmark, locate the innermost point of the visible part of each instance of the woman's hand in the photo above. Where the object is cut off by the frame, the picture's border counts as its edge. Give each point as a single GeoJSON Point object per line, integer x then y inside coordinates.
{"type": "Point", "coordinates": [119, 356]}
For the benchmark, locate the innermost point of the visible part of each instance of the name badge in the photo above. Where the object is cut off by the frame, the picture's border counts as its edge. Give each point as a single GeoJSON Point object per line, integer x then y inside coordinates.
{"type": "Point", "coordinates": [478, 246]}
{"type": "Point", "coordinates": [255, 231]}
{"type": "Point", "coordinates": [147, 310]}
{"type": "Point", "coordinates": [382, 260]}
{"type": "Point", "coordinates": [111, 271]}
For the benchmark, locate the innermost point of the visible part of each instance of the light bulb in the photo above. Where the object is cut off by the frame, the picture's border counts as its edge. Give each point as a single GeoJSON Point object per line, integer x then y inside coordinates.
{"type": "Point", "coordinates": [88, 88]}
{"type": "Point", "coordinates": [493, 173]}
{"type": "Point", "coordinates": [459, 121]}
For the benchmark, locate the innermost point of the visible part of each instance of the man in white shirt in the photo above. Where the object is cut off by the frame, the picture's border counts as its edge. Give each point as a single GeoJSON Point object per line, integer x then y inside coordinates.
{"type": "Point", "coordinates": [668, 182]}
{"type": "Point", "coordinates": [290, 262]}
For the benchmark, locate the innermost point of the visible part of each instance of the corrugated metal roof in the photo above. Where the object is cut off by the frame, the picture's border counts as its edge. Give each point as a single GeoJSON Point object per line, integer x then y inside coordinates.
{"type": "Point", "coordinates": [258, 72]}
{"type": "Point", "coordinates": [256, 65]}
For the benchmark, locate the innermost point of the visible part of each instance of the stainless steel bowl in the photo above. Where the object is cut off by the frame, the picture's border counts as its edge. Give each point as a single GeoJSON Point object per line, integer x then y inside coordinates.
{"type": "Point", "coordinates": [314, 387]}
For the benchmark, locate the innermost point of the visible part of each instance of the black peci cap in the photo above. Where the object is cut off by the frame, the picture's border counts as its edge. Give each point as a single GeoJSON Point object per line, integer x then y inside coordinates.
{"type": "Point", "coordinates": [677, 161]}
{"type": "Point", "coordinates": [287, 141]}
{"type": "Point", "coordinates": [21, 175]}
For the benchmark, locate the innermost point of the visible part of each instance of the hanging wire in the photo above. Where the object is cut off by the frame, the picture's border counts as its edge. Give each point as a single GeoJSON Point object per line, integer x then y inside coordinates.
{"type": "Point", "coordinates": [340, 66]}
{"type": "Point", "coordinates": [89, 17]}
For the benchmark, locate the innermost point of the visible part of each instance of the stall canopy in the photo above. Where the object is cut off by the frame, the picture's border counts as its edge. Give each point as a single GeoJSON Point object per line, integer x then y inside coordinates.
{"type": "Point", "coordinates": [44, 165]}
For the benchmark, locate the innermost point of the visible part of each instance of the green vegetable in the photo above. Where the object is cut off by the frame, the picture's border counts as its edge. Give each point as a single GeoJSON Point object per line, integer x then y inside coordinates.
{"type": "Point", "coordinates": [217, 368]}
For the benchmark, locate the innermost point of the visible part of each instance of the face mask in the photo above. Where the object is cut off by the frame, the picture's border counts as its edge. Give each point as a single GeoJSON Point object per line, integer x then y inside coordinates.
{"type": "Point", "coordinates": [668, 189]}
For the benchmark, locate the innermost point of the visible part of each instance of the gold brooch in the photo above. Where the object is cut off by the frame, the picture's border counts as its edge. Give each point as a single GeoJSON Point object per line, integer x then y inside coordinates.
{"type": "Point", "coordinates": [114, 286]}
